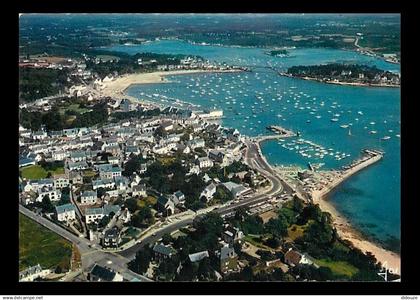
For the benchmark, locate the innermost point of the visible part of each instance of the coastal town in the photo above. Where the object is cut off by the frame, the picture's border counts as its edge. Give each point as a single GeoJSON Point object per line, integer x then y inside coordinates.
{"type": "Point", "coordinates": [136, 190]}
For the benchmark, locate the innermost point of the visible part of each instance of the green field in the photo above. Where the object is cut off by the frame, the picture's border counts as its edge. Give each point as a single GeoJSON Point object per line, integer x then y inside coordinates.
{"type": "Point", "coordinates": [38, 172]}
{"type": "Point", "coordinates": [339, 268]}
{"type": "Point", "coordinates": [33, 172]}
{"type": "Point", "coordinates": [40, 245]}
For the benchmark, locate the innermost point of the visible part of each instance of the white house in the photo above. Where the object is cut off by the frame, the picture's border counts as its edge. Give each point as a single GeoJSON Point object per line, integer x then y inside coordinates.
{"type": "Point", "coordinates": [139, 190]}
{"type": "Point", "coordinates": [205, 162]}
{"type": "Point", "coordinates": [65, 212]}
{"type": "Point", "coordinates": [178, 197]}
{"type": "Point", "coordinates": [61, 181]}
{"type": "Point", "coordinates": [88, 197]}
{"type": "Point", "coordinates": [209, 191]}
{"type": "Point", "coordinates": [97, 213]}
{"type": "Point", "coordinates": [53, 194]}
{"type": "Point", "coordinates": [32, 273]}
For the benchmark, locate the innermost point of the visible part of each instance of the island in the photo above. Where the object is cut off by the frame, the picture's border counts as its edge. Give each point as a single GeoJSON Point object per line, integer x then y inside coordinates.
{"type": "Point", "coordinates": [279, 53]}
{"type": "Point", "coordinates": [345, 74]}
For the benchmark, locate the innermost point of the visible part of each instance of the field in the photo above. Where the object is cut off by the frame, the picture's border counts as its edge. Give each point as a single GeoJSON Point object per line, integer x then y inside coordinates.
{"type": "Point", "coordinates": [74, 107]}
{"type": "Point", "coordinates": [33, 172]}
{"type": "Point", "coordinates": [339, 268]}
{"type": "Point", "coordinates": [38, 172]}
{"type": "Point", "coordinates": [40, 245]}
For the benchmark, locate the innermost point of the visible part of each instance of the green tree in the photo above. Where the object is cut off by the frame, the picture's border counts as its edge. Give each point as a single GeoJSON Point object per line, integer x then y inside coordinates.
{"type": "Point", "coordinates": [46, 205]}
{"type": "Point", "coordinates": [141, 263]}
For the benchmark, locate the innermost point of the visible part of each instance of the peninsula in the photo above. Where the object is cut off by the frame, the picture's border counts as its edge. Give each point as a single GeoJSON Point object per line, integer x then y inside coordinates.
{"type": "Point", "coordinates": [345, 74]}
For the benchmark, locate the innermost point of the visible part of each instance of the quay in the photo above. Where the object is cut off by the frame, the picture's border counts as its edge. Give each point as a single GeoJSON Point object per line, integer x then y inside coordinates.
{"type": "Point", "coordinates": [370, 157]}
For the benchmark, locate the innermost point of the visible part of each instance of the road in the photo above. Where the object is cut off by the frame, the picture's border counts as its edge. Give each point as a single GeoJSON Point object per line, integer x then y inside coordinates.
{"type": "Point", "coordinates": [89, 255]}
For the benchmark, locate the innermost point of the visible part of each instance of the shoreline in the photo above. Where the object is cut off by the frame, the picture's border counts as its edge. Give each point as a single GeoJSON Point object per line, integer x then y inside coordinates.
{"type": "Point", "coordinates": [346, 231]}
{"type": "Point", "coordinates": [343, 83]}
{"type": "Point", "coordinates": [117, 87]}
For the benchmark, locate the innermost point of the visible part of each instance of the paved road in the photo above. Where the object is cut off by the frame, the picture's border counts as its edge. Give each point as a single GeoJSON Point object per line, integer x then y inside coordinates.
{"type": "Point", "coordinates": [89, 255]}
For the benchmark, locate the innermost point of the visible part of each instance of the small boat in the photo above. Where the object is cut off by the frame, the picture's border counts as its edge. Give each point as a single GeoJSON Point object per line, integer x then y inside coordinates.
{"type": "Point", "coordinates": [385, 138]}
{"type": "Point", "coordinates": [344, 126]}
{"type": "Point", "coordinates": [372, 132]}
{"type": "Point", "coordinates": [334, 120]}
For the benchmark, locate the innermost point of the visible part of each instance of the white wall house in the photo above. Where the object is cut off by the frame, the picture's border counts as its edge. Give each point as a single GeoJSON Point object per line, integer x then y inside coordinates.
{"type": "Point", "coordinates": [88, 197]}
{"type": "Point", "coordinates": [66, 212]}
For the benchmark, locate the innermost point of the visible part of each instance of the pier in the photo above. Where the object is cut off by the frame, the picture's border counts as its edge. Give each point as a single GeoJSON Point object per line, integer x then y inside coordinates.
{"type": "Point", "coordinates": [370, 157]}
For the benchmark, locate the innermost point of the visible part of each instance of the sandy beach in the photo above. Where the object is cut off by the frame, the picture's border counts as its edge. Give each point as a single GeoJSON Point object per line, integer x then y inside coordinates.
{"type": "Point", "coordinates": [117, 87]}
{"type": "Point", "coordinates": [347, 232]}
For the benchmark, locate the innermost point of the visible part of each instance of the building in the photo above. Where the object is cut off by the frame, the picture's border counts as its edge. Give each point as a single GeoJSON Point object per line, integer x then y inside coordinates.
{"type": "Point", "coordinates": [162, 252]}
{"type": "Point", "coordinates": [235, 189]}
{"type": "Point", "coordinates": [178, 198]}
{"type": "Point", "coordinates": [166, 206]}
{"type": "Point", "coordinates": [66, 212]}
{"type": "Point", "coordinates": [231, 235]}
{"type": "Point", "coordinates": [205, 162]}
{"type": "Point", "coordinates": [32, 273]}
{"type": "Point", "coordinates": [208, 192]}
{"type": "Point", "coordinates": [195, 257]}
{"type": "Point", "coordinates": [75, 178]}
{"type": "Point", "coordinates": [61, 181]}
{"type": "Point", "coordinates": [294, 258]}
{"type": "Point", "coordinates": [111, 238]}
{"type": "Point", "coordinates": [52, 193]}
{"type": "Point", "coordinates": [88, 197]}
{"type": "Point", "coordinates": [98, 273]}
{"type": "Point", "coordinates": [97, 213]}
{"type": "Point", "coordinates": [228, 259]}
{"type": "Point", "coordinates": [103, 183]}
{"type": "Point", "coordinates": [139, 190]}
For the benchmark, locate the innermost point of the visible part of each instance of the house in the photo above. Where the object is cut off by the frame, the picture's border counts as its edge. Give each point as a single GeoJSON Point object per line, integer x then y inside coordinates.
{"type": "Point", "coordinates": [59, 155]}
{"type": "Point", "coordinates": [75, 178]}
{"type": "Point", "coordinates": [205, 162]}
{"type": "Point", "coordinates": [66, 212]}
{"type": "Point", "coordinates": [217, 156]}
{"type": "Point", "coordinates": [97, 213]}
{"type": "Point", "coordinates": [139, 190]}
{"type": "Point", "coordinates": [88, 197]}
{"type": "Point", "coordinates": [37, 185]}
{"type": "Point", "coordinates": [235, 189]}
{"type": "Point", "coordinates": [162, 252]}
{"type": "Point", "coordinates": [166, 206]}
{"type": "Point", "coordinates": [178, 198]}
{"type": "Point", "coordinates": [23, 162]}
{"type": "Point", "coordinates": [231, 235]}
{"type": "Point", "coordinates": [208, 192]}
{"type": "Point", "coordinates": [121, 183]}
{"type": "Point", "coordinates": [167, 125]}
{"type": "Point", "coordinates": [103, 183]}
{"type": "Point", "coordinates": [32, 273]}
{"type": "Point", "coordinates": [98, 273]}
{"type": "Point", "coordinates": [76, 156]}
{"type": "Point", "coordinates": [61, 181]}
{"type": "Point", "coordinates": [195, 257]}
{"type": "Point", "coordinates": [77, 166]}
{"type": "Point", "coordinates": [197, 143]}
{"type": "Point", "coordinates": [111, 238]}
{"type": "Point", "coordinates": [294, 258]}
{"type": "Point", "coordinates": [228, 259]}
{"type": "Point", "coordinates": [52, 193]}
{"type": "Point", "coordinates": [39, 135]}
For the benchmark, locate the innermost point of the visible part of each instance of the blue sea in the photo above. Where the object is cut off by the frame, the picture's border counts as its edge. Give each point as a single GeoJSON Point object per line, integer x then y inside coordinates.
{"type": "Point", "coordinates": [253, 100]}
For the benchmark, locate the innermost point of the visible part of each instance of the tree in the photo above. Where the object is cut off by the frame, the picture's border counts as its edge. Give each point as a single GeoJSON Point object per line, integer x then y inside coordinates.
{"type": "Point", "coordinates": [141, 263]}
{"type": "Point", "coordinates": [277, 227]}
{"type": "Point", "coordinates": [104, 221]}
{"type": "Point", "coordinates": [101, 192]}
{"type": "Point", "coordinates": [166, 238]}
{"type": "Point", "coordinates": [160, 132]}
{"type": "Point", "coordinates": [131, 204]}
{"type": "Point", "coordinates": [46, 205]}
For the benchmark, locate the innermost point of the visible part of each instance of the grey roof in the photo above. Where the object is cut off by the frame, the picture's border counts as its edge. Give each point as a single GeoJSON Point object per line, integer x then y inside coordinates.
{"type": "Point", "coordinates": [178, 194]}
{"type": "Point", "coordinates": [162, 200]}
{"type": "Point", "coordinates": [30, 271]}
{"type": "Point", "coordinates": [103, 273]}
{"type": "Point", "coordinates": [194, 257]}
{"type": "Point", "coordinates": [89, 194]}
{"type": "Point", "coordinates": [162, 249]}
{"type": "Point", "coordinates": [106, 210]}
{"type": "Point", "coordinates": [225, 251]}
{"type": "Point", "coordinates": [64, 208]}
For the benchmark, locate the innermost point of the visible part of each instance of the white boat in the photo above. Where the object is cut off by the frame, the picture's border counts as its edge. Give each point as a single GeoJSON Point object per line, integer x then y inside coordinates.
{"type": "Point", "coordinates": [386, 138]}
{"type": "Point", "coordinates": [372, 132]}
{"type": "Point", "coordinates": [344, 126]}
{"type": "Point", "coordinates": [334, 120]}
